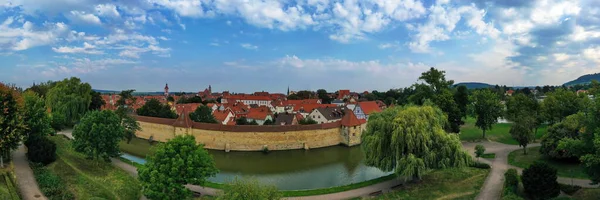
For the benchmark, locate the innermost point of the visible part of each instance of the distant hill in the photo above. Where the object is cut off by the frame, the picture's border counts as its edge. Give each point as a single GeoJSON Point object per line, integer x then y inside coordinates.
{"type": "Point", "coordinates": [585, 79]}
{"type": "Point", "coordinates": [106, 91]}
{"type": "Point", "coordinates": [474, 85]}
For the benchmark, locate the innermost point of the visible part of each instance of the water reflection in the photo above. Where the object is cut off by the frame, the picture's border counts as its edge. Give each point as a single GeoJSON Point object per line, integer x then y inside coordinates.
{"type": "Point", "coordinates": [294, 169]}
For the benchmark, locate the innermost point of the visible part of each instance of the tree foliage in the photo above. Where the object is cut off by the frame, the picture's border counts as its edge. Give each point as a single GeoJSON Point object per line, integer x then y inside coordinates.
{"type": "Point", "coordinates": [487, 108]}
{"type": "Point", "coordinates": [245, 121]}
{"type": "Point", "coordinates": [559, 104]}
{"type": "Point", "coordinates": [410, 140]}
{"type": "Point", "coordinates": [324, 96]}
{"type": "Point", "coordinates": [174, 164]}
{"type": "Point", "coordinates": [479, 150]}
{"type": "Point", "coordinates": [461, 97]}
{"type": "Point", "coordinates": [35, 117]}
{"type": "Point", "coordinates": [570, 128]}
{"type": "Point", "coordinates": [71, 98]}
{"type": "Point", "coordinates": [539, 181]}
{"type": "Point", "coordinates": [41, 150]}
{"type": "Point", "coordinates": [307, 121]}
{"type": "Point", "coordinates": [153, 108]}
{"type": "Point", "coordinates": [98, 135]}
{"type": "Point", "coordinates": [12, 127]}
{"type": "Point", "coordinates": [520, 105]}
{"type": "Point", "coordinates": [194, 99]}
{"type": "Point", "coordinates": [243, 189]}
{"type": "Point", "coordinates": [97, 101]}
{"type": "Point", "coordinates": [42, 89]}
{"type": "Point", "coordinates": [269, 122]}
{"type": "Point", "coordinates": [522, 131]}
{"type": "Point", "coordinates": [203, 114]}
{"type": "Point", "coordinates": [124, 111]}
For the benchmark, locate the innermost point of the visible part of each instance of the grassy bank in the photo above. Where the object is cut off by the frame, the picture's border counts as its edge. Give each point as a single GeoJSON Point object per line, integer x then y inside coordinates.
{"type": "Point", "coordinates": [8, 186]}
{"type": "Point", "coordinates": [587, 194]}
{"type": "Point", "coordinates": [297, 193]}
{"type": "Point", "coordinates": [499, 133]}
{"type": "Point", "coordinates": [137, 147]}
{"type": "Point", "coordinates": [564, 169]}
{"type": "Point", "coordinates": [463, 183]}
{"type": "Point", "coordinates": [72, 176]}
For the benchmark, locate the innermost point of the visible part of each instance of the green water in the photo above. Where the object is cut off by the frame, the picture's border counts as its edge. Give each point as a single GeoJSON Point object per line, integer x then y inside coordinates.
{"type": "Point", "coordinates": [295, 169]}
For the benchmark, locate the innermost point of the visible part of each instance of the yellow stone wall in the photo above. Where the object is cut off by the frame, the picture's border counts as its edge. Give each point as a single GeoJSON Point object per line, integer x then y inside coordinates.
{"type": "Point", "coordinates": [246, 141]}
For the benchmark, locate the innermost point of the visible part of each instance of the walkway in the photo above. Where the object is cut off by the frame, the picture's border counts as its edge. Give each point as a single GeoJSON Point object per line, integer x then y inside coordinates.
{"type": "Point", "coordinates": [26, 182]}
{"type": "Point", "coordinates": [493, 185]}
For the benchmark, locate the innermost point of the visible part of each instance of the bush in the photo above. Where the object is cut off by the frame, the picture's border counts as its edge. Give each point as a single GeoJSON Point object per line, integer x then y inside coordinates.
{"type": "Point", "coordinates": [511, 182]}
{"type": "Point", "coordinates": [569, 189]}
{"type": "Point", "coordinates": [50, 184]}
{"type": "Point", "coordinates": [512, 196]}
{"type": "Point", "coordinates": [481, 165]}
{"type": "Point", "coordinates": [539, 181]}
{"type": "Point", "coordinates": [41, 150]}
{"type": "Point", "coordinates": [58, 121]}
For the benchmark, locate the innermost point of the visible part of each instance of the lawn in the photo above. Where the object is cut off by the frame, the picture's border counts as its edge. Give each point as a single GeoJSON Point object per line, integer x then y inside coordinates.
{"type": "Point", "coordinates": [587, 194]}
{"type": "Point", "coordinates": [137, 147]}
{"type": "Point", "coordinates": [463, 183]}
{"type": "Point", "coordinates": [8, 187]}
{"type": "Point", "coordinates": [489, 155]}
{"type": "Point", "coordinates": [516, 158]}
{"type": "Point", "coordinates": [84, 179]}
{"type": "Point", "coordinates": [499, 132]}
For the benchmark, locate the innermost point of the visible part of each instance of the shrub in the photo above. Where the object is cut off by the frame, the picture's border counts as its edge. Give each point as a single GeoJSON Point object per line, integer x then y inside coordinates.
{"type": "Point", "coordinates": [539, 181]}
{"type": "Point", "coordinates": [480, 165]}
{"type": "Point", "coordinates": [50, 184]}
{"type": "Point", "coordinates": [479, 150]}
{"type": "Point", "coordinates": [58, 121]}
{"type": "Point", "coordinates": [41, 150]}
{"type": "Point", "coordinates": [511, 182]}
{"type": "Point", "coordinates": [512, 196]}
{"type": "Point", "coordinates": [569, 189]}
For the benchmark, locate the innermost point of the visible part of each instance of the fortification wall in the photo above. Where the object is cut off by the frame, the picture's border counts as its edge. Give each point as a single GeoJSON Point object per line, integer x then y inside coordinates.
{"type": "Point", "coordinates": [243, 138]}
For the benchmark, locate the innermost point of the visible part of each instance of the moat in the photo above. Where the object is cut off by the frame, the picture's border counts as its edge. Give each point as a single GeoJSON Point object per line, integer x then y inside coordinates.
{"type": "Point", "coordinates": [294, 169]}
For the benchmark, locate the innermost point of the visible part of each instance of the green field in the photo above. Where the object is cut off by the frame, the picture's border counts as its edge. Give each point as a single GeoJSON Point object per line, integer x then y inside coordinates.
{"type": "Point", "coordinates": [463, 183]}
{"type": "Point", "coordinates": [499, 133]}
{"type": "Point", "coordinates": [8, 187]}
{"type": "Point", "coordinates": [82, 178]}
{"type": "Point", "coordinates": [587, 194]}
{"type": "Point", "coordinates": [516, 158]}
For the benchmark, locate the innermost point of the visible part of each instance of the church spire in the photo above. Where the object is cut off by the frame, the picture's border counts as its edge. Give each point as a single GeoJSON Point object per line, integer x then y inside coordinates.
{"type": "Point", "coordinates": [288, 92]}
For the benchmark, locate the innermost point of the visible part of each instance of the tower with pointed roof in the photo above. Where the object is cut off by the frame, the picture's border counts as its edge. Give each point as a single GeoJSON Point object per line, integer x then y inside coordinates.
{"type": "Point", "coordinates": [166, 89]}
{"type": "Point", "coordinates": [209, 89]}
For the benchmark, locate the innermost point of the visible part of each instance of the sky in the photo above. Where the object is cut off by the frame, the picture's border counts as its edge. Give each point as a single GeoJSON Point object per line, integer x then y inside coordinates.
{"type": "Point", "coordinates": [268, 45]}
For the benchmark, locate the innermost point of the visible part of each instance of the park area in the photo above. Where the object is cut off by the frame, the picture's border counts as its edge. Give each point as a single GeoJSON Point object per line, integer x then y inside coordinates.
{"type": "Point", "coordinates": [499, 132]}
{"type": "Point", "coordinates": [564, 169]}
{"type": "Point", "coordinates": [72, 176]}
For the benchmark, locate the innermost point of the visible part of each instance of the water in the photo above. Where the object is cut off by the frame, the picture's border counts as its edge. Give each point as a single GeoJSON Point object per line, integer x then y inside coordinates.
{"type": "Point", "coordinates": [294, 169]}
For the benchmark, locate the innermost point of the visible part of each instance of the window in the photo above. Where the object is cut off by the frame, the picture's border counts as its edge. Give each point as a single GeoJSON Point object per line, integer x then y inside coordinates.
{"type": "Point", "coordinates": [354, 127]}
{"type": "Point", "coordinates": [319, 117]}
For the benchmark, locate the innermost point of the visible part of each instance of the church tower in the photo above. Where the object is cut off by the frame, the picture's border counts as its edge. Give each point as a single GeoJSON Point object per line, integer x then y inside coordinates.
{"type": "Point", "coordinates": [167, 89]}
{"type": "Point", "coordinates": [209, 89]}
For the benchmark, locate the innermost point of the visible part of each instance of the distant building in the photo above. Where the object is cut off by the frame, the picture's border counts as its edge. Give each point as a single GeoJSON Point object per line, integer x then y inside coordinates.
{"type": "Point", "coordinates": [365, 108]}
{"type": "Point", "coordinates": [509, 92]}
{"type": "Point", "coordinates": [286, 119]}
{"type": "Point", "coordinates": [247, 99]}
{"type": "Point", "coordinates": [326, 115]}
{"type": "Point", "coordinates": [167, 90]}
{"type": "Point", "coordinates": [338, 102]}
{"type": "Point", "coordinates": [224, 117]}
{"type": "Point", "coordinates": [260, 115]}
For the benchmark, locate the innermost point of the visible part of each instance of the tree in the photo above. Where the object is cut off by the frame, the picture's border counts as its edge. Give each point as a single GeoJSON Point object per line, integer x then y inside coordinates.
{"type": "Point", "coordinates": [124, 109]}
{"type": "Point", "coordinates": [57, 121]}
{"type": "Point", "coordinates": [410, 140]}
{"type": "Point", "coordinates": [436, 80]}
{"type": "Point", "coordinates": [461, 97]}
{"type": "Point", "coordinates": [71, 98]}
{"type": "Point", "coordinates": [97, 101]}
{"type": "Point", "coordinates": [12, 127]}
{"type": "Point", "coordinates": [324, 96]}
{"type": "Point", "coordinates": [559, 104]}
{"type": "Point", "coordinates": [170, 99]}
{"type": "Point", "coordinates": [242, 189]}
{"type": "Point", "coordinates": [41, 89]}
{"type": "Point", "coordinates": [305, 94]}
{"type": "Point", "coordinates": [98, 135]}
{"type": "Point", "coordinates": [41, 150]}
{"type": "Point", "coordinates": [153, 108]}
{"type": "Point", "coordinates": [487, 109]}
{"type": "Point", "coordinates": [174, 164]}
{"type": "Point", "coordinates": [390, 101]}
{"type": "Point", "coordinates": [539, 181]}
{"type": "Point", "coordinates": [35, 117]}
{"type": "Point", "coordinates": [269, 122]}
{"type": "Point", "coordinates": [307, 121]}
{"type": "Point", "coordinates": [522, 131]}
{"type": "Point", "coordinates": [195, 99]}
{"type": "Point", "coordinates": [479, 151]}
{"type": "Point", "coordinates": [293, 97]}
{"type": "Point", "coordinates": [569, 128]}
{"type": "Point", "coordinates": [203, 114]}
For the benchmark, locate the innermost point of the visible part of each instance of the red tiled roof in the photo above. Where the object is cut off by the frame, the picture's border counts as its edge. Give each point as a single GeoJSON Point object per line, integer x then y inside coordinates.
{"type": "Point", "coordinates": [303, 101]}
{"type": "Point", "coordinates": [259, 113]}
{"type": "Point", "coordinates": [247, 97]}
{"type": "Point", "coordinates": [261, 94]}
{"type": "Point", "coordinates": [309, 107]}
{"type": "Point", "coordinates": [186, 108]}
{"type": "Point", "coordinates": [369, 107]}
{"type": "Point", "coordinates": [221, 115]}
{"type": "Point", "coordinates": [299, 116]}
{"type": "Point", "coordinates": [350, 119]}
{"type": "Point", "coordinates": [342, 93]}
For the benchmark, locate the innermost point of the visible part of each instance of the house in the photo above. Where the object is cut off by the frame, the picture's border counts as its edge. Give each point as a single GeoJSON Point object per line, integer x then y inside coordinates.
{"type": "Point", "coordinates": [352, 129]}
{"type": "Point", "coordinates": [338, 102]}
{"type": "Point", "coordinates": [224, 117]}
{"type": "Point", "coordinates": [342, 94]}
{"type": "Point", "coordinates": [213, 106]}
{"type": "Point", "coordinates": [509, 92]}
{"type": "Point", "coordinates": [186, 108]}
{"type": "Point", "coordinates": [247, 99]}
{"type": "Point", "coordinates": [260, 115]}
{"type": "Point", "coordinates": [286, 119]}
{"type": "Point", "coordinates": [381, 104]}
{"type": "Point", "coordinates": [326, 115]}
{"type": "Point", "coordinates": [365, 108]}
{"type": "Point", "coordinates": [306, 109]}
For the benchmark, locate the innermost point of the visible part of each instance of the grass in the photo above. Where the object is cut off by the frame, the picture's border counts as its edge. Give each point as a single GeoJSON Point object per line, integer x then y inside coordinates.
{"type": "Point", "coordinates": [587, 194]}
{"type": "Point", "coordinates": [499, 132]}
{"type": "Point", "coordinates": [489, 155]}
{"type": "Point", "coordinates": [87, 179]}
{"type": "Point", "coordinates": [8, 187]}
{"type": "Point", "coordinates": [297, 193]}
{"type": "Point", "coordinates": [564, 169]}
{"type": "Point", "coordinates": [461, 183]}
{"type": "Point", "coordinates": [137, 147]}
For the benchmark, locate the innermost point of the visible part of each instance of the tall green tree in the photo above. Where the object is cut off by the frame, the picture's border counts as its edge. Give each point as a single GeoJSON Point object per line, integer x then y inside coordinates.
{"type": "Point", "coordinates": [559, 104]}
{"type": "Point", "coordinates": [98, 135]}
{"type": "Point", "coordinates": [324, 96]}
{"type": "Point", "coordinates": [124, 110]}
{"type": "Point", "coordinates": [522, 131]}
{"type": "Point", "coordinates": [153, 108]}
{"type": "Point", "coordinates": [203, 114]}
{"type": "Point", "coordinates": [461, 97]}
{"type": "Point", "coordinates": [436, 80]}
{"type": "Point", "coordinates": [539, 181]}
{"type": "Point", "coordinates": [411, 140]}
{"type": "Point", "coordinates": [97, 101]}
{"type": "Point", "coordinates": [243, 189]}
{"type": "Point", "coordinates": [569, 128]}
{"type": "Point", "coordinates": [487, 108]}
{"type": "Point", "coordinates": [71, 98]}
{"type": "Point", "coordinates": [174, 164]}
{"type": "Point", "coordinates": [12, 127]}
{"type": "Point", "coordinates": [42, 88]}
{"type": "Point", "coordinates": [36, 117]}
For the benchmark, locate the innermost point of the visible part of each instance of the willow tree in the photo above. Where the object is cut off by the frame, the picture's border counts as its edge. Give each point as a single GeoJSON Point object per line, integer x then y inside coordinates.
{"type": "Point", "coordinates": [410, 140]}
{"type": "Point", "coordinates": [70, 98]}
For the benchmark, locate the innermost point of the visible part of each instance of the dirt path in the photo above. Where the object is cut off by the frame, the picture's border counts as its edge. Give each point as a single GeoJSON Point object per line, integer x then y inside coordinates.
{"type": "Point", "coordinates": [492, 187]}
{"type": "Point", "coordinates": [26, 182]}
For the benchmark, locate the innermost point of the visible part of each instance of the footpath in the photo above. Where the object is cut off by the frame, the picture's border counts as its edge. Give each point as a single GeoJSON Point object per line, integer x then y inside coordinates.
{"type": "Point", "coordinates": [26, 182]}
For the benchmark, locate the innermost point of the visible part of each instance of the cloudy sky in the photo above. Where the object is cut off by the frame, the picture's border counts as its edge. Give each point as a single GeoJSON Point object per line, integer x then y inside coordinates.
{"type": "Point", "coordinates": [251, 45]}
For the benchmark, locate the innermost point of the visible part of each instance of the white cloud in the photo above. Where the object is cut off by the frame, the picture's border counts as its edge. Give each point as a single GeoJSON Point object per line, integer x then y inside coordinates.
{"type": "Point", "coordinates": [214, 44]}
{"type": "Point", "coordinates": [87, 49]}
{"type": "Point", "coordinates": [580, 34]}
{"type": "Point", "coordinates": [186, 8]}
{"type": "Point", "coordinates": [83, 18]}
{"type": "Point", "coordinates": [108, 10]}
{"type": "Point", "coordinates": [388, 45]}
{"type": "Point", "coordinates": [592, 54]}
{"type": "Point", "coordinates": [561, 57]}
{"type": "Point", "coordinates": [21, 36]}
{"type": "Point", "coordinates": [77, 66]}
{"type": "Point", "coordinates": [249, 46]}
{"type": "Point", "coordinates": [134, 52]}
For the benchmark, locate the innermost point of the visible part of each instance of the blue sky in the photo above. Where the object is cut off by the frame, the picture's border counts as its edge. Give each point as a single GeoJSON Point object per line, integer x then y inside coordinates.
{"type": "Point", "coordinates": [245, 46]}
